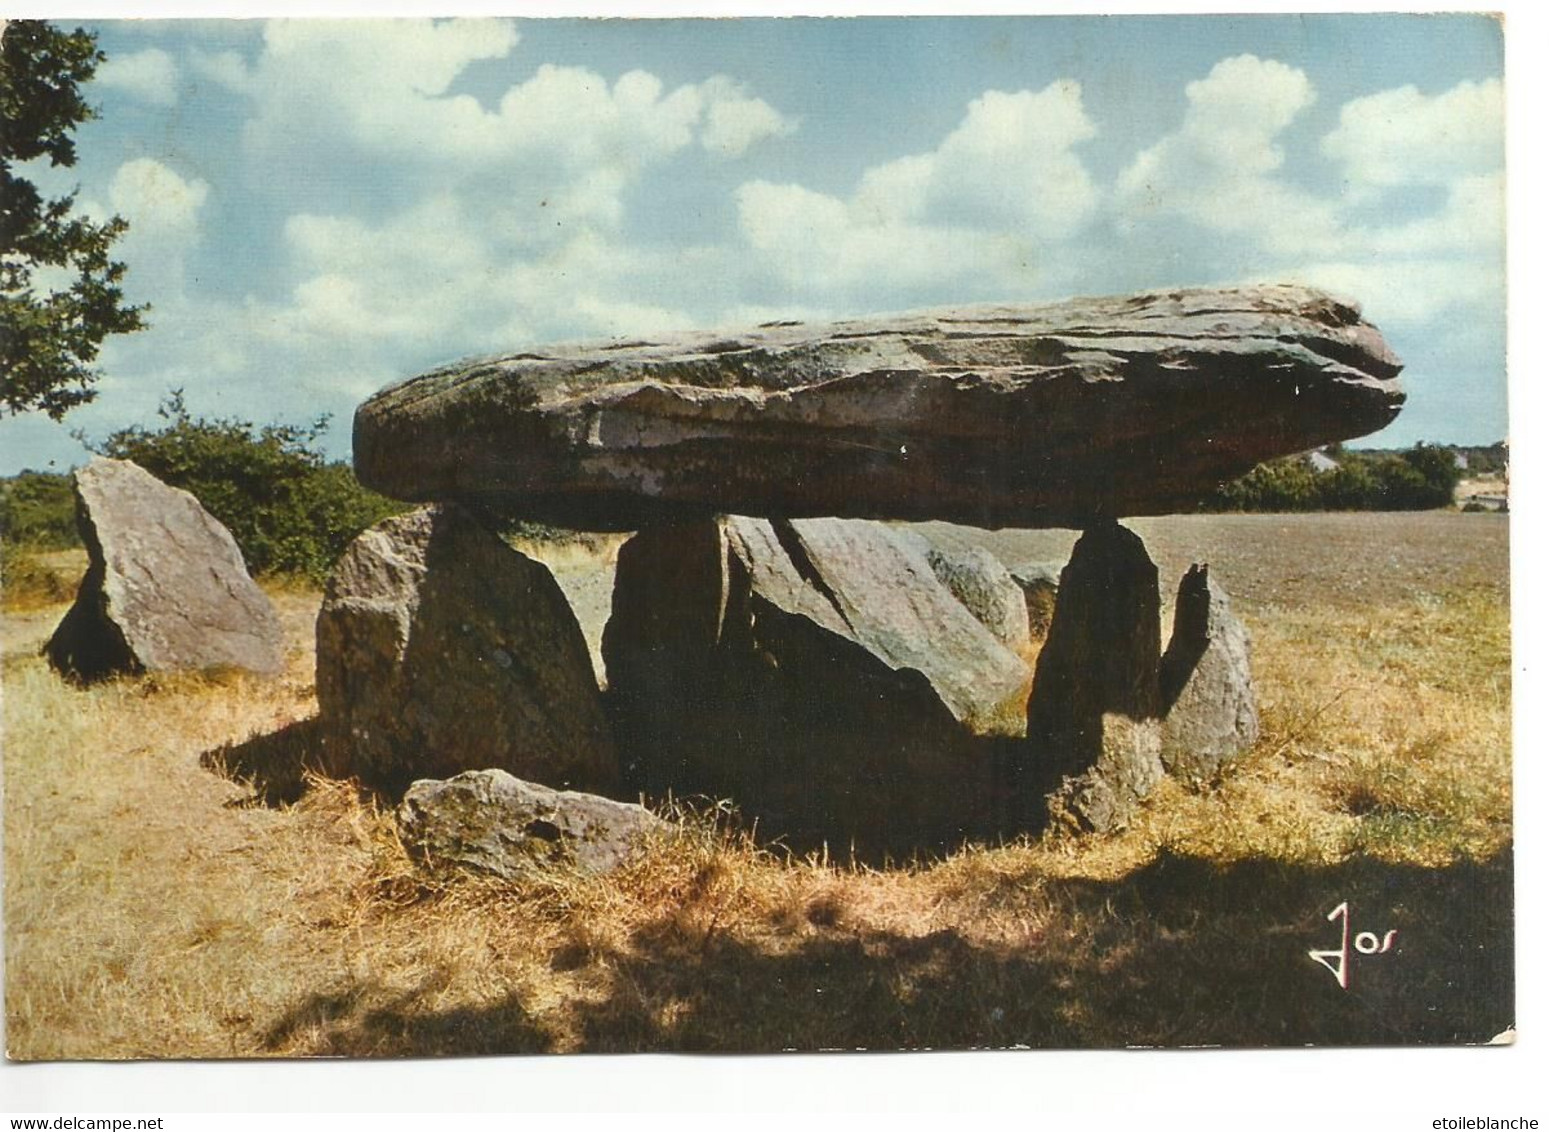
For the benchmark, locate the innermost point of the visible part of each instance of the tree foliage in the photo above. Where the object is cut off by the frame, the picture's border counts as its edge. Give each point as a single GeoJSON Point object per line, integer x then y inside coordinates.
{"type": "Point", "coordinates": [37, 509]}
{"type": "Point", "coordinates": [1417, 479]}
{"type": "Point", "coordinates": [50, 335]}
{"type": "Point", "coordinates": [290, 510]}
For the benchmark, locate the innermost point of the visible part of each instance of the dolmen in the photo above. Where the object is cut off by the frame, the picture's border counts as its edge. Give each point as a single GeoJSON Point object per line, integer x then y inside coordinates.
{"type": "Point", "coordinates": [775, 639]}
{"type": "Point", "coordinates": [165, 589]}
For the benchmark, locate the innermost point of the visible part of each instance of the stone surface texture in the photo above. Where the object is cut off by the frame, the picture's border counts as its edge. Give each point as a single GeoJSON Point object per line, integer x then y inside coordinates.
{"type": "Point", "coordinates": [985, 587]}
{"type": "Point", "coordinates": [165, 588]}
{"type": "Point", "coordinates": [1040, 586]}
{"type": "Point", "coordinates": [440, 649]}
{"type": "Point", "coordinates": [1210, 711]}
{"type": "Point", "coordinates": [1105, 796]}
{"type": "Point", "coordinates": [1093, 739]}
{"type": "Point", "coordinates": [815, 672]}
{"type": "Point", "coordinates": [994, 416]}
{"type": "Point", "coordinates": [492, 822]}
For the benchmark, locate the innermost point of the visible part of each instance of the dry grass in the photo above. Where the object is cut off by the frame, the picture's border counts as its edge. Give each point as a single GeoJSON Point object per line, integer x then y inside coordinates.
{"type": "Point", "coordinates": [157, 909]}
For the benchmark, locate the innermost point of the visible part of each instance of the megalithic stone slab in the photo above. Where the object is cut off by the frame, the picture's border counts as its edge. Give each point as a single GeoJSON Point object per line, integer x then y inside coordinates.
{"type": "Point", "coordinates": [441, 650]}
{"type": "Point", "coordinates": [816, 673]}
{"type": "Point", "coordinates": [995, 416]}
{"type": "Point", "coordinates": [987, 590]}
{"type": "Point", "coordinates": [491, 822]}
{"type": "Point", "coordinates": [1093, 721]}
{"type": "Point", "coordinates": [165, 589]}
{"type": "Point", "coordinates": [1210, 712]}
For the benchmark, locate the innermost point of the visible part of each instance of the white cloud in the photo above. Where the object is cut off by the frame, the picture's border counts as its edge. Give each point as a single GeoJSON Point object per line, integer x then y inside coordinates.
{"type": "Point", "coordinates": [734, 120]}
{"type": "Point", "coordinates": [227, 69]}
{"type": "Point", "coordinates": [148, 75]}
{"type": "Point", "coordinates": [156, 200]}
{"type": "Point", "coordinates": [1472, 221]}
{"type": "Point", "coordinates": [504, 221]}
{"type": "Point", "coordinates": [437, 280]}
{"type": "Point", "coordinates": [1402, 137]}
{"type": "Point", "coordinates": [1412, 226]}
{"type": "Point", "coordinates": [383, 87]}
{"type": "Point", "coordinates": [1409, 293]}
{"type": "Point", "coordinates": [983, 206]}
{"type": "Point", "coordinates": [163, 210]}
{"type": "Point", "coordinates": [1218, 169]}
{"type": "Point", "coordinates": [1010, 163]}
{"type": "Point", "coordinates": [558, 150]}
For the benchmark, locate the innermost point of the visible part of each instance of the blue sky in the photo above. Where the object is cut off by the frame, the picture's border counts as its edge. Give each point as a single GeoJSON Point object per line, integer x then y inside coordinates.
{"type": "Point", "coordinates": [320, 209]}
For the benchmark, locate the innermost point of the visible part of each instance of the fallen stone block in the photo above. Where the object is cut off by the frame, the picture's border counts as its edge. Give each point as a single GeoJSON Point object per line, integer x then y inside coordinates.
{"type": "Point", "coordinates": [491, 822]}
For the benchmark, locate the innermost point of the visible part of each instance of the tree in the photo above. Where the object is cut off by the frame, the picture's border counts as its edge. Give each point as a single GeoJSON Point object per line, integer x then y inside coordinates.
{"type": "Point", "coordinates": [49, 336]}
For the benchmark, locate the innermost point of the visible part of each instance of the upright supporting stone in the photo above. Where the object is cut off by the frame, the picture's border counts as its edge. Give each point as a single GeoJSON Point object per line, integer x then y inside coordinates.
{"type": "Point", "coordinates": [1206, 684]}
{"type": "Point", "coordinates": [815, 672]}
{"type": "Point", "coordinates": [440, 650]}
{"type": "Point", "coordinates": [1094, 737]}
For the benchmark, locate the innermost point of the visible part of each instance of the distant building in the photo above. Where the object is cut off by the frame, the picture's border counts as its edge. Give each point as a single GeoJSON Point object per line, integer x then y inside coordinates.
{"type": "Point", "coordinates": [1321, 462]}
{"type": "Point", "coordinates": [1460, 461]}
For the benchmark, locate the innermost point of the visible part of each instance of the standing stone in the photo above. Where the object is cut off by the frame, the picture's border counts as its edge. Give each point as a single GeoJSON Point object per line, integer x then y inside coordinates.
{"type": "Point", "coordinates": [977, 579]}
{"type": "Point", "coordinates": [816, 673]}
{"type": "Point", "coordinates": [1094, 743]}
{"type": "Point", "coordinates": [494, 823]}
{"type": "Point", "coordinates": [994, 416]}
{"type": "Point", "coordinates": [165, 587]}
{"type": "Point", "coordinates": [1040, 585]}
{"type": "Point", "coordinates": [1104, 797]}
{"type": "Point", "coordinates": [440, 649]}
{"type": "Point", "coordinates": [1211, 714]}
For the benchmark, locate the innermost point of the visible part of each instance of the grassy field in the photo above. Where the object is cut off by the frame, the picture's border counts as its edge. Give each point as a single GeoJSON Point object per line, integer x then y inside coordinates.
{"type": "Point", "coordinates": [175, 887]}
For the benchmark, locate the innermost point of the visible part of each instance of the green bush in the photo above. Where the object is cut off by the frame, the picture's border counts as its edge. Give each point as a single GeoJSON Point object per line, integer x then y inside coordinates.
{"type": "Point", "coordinates": [1418, 479]}
{"type": "Point", "coordinates": [290, 510]}
{"type": "Point", "coordinates": [37, 510]}
{"type": "Point", "coordinates": [27, 583]}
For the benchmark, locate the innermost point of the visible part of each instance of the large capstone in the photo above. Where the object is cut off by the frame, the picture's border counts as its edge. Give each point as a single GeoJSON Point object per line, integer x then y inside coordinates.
{"type": "Point", "coordinates": [440, 649]}
{"type": "Point", "coordinates": [816, 673]}
{"type": "Point", "coordinates": [1210, 712]}
{"type": "Point", "coordinates": [490, 822]}
{"type": "Point", "coordinates": [165, 588]}
{"type": "Point", "coordinates": [994, 416]}
{"type": "Point", "coordinates": [1093, 729]}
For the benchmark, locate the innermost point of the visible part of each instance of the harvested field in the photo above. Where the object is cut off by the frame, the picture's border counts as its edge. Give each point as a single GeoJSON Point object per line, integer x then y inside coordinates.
{"type": "Point", "coordinates": [1348, 559]}
{"type": "Point", "coordinates": [176, 887]}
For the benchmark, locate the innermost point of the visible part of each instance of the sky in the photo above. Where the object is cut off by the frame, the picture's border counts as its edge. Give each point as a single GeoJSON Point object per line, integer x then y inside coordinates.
{"type": "Point", "coordinates": [320, 209]}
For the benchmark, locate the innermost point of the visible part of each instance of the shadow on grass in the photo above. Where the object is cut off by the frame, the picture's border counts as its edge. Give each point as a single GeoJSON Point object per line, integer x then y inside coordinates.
{"type": "Point", "coordinates": [361, 1022]}
{"type": "Point", "coordinates": [274, 764]}
{"type": "Point", "coordinates": [1179, 953]}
